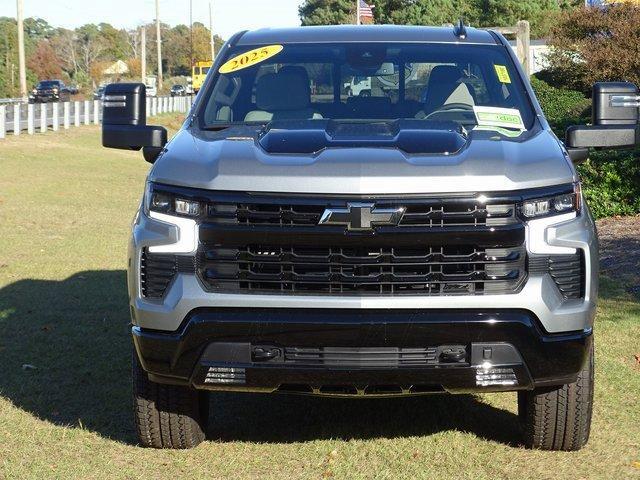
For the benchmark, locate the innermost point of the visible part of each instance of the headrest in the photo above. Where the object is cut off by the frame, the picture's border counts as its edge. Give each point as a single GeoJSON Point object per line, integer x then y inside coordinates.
{"type": "Point", "coordinates": [286, 90]}
{"type": "Point", "coordinates": [443, 81]}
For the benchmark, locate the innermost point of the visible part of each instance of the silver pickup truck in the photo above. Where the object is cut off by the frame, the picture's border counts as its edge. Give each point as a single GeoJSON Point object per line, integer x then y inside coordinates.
{"type": "Point", "coordinates": [428, 236]}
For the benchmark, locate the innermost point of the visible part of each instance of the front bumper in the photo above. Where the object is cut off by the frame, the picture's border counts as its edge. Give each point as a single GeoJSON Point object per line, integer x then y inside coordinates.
{"type": "Point", "coordinates": [539, 295]}
{"type": "Point", "coordinates": [355, 351]}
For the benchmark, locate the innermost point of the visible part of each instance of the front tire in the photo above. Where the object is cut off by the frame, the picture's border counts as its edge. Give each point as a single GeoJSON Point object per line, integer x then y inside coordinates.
{"type": "Point", "coordinates": [559, 418]}
{"type": "Point", "coordinates": [167, 416]}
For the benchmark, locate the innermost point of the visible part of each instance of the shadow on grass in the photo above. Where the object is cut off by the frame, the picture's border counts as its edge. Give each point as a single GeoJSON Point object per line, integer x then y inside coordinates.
{"type": "Point", "coordinates": [76, 334]}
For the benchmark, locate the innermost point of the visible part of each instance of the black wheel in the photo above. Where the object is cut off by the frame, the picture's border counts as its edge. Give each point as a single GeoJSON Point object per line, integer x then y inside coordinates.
{"type": "Point", "coordinates": [167, 416]}
{"type": "Point", "coordinates": [559, 418]}
{"type": "Point", "coordinates": [365, 93]}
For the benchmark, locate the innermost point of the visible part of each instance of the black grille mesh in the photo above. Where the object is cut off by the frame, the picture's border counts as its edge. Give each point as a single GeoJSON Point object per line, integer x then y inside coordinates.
{"type": "Point", "coordinates": [158, 269]}
{"type": "Point", "coordinates": [423, 214]}
{"type": "Point", "coordinates": [444, 270]}
{"type": "Point", "coordinates": [567, 272]}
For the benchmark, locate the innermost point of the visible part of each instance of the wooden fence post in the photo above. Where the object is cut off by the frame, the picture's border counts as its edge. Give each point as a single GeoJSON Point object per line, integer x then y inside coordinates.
{"type": "Point", "coordinates": [76, 113]}
{"type": "Point", "coordinates": [87, 112]}
{"type": "Point", "coordinates": [523, 45]}
{"type": "Point", "coordinates": [43, 117]}
{"type": "Point", "coordinates": [3, 119]}
{"type": "Point", "coordinates": [16, 119]}
{"type": "Point", "coordinates": [56, 117]}
{"type": "Point", "coordinates": [30, 119]}
{"type": "Point", "coordinates": [66, 116]}
{"type": "Point", "coordinates": [96, 112]}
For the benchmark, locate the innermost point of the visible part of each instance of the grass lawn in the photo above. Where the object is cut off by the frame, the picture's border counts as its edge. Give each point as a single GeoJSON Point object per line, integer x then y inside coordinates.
{"type": "Point", "coordinates": [65, 208]}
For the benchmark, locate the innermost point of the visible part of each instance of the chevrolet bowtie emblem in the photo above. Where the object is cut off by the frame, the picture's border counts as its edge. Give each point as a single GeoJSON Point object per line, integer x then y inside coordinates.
{"type": "Point", "coordinates": [361, 216]}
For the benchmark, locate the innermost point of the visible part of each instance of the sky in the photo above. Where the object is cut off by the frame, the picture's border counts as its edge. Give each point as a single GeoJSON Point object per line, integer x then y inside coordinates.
{"type": "Point", "coordinates": [229, 16]}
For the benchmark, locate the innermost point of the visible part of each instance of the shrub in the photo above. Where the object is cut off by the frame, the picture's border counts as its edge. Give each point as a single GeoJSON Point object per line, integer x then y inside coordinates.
{"type": "Point", "coordinates": [610, 179]}
{"type": "Point", "coordinates": [597, 44]}
{"type": "Point", "coordinates": [562, 107]}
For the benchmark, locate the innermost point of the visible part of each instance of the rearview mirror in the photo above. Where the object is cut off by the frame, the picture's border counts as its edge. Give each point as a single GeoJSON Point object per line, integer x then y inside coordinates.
{"type": "Point", "coordinates": [616, 116]}
{"type": "Point", "coordinates": [124, 121]}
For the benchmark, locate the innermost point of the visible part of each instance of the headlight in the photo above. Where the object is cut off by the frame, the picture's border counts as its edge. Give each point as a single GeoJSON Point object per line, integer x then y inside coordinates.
{"type": "Point", "coordinates": [556, 205]}
{"type": "Point", "coordinates": [170, 204]}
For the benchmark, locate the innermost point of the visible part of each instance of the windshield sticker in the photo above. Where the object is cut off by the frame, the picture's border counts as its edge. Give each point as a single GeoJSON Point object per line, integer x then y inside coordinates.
{"type": "Point", "coordinates": [250, 58]}
{"type": "Point", "coordinates": [499, 117]}
{"type": "Point", "coordinates": [503, 73]}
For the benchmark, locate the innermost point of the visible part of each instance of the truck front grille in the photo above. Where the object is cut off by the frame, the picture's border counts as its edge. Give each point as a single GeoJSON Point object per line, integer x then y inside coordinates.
{"type": "Point", "coordinates": [430, 213]}
{"type": "Point", "coordinates": [441, 270]}
{"type": "Point", "coordinates": [458, 244]}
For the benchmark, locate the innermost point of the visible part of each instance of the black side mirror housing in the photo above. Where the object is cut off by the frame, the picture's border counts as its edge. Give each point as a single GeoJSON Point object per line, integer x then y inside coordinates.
{"type": "Point", "coordinates": [616, 117]}
{"type": "Point", "coordinates": [124, 121]}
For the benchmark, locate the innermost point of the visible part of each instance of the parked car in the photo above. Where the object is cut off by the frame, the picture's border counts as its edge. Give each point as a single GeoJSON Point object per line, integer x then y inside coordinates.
{"type": "Point", "coordinates": [99, 93]}
{"type": "Point", "coordinates": [50, 91]}
{"type": "Point", "coordinates": [178, 90]}
{"type": "Point", "coordinates": [367, 247]}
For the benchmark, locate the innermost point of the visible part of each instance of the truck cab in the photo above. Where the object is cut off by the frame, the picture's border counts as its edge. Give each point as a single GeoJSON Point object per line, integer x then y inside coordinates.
{"type": "Point", "coordinates": [431, 237]}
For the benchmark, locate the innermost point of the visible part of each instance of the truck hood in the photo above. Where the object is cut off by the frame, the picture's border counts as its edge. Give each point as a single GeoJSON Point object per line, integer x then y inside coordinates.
{"type": "Point", "coordinates": [235, 160]}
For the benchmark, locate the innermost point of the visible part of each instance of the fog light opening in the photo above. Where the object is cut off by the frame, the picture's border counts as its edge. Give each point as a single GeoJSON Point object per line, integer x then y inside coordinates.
{"type": "Point", "coordinates": [487, 375]}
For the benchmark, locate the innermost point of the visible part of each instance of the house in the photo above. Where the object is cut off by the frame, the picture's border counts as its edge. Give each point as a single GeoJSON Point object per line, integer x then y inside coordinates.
{"type": "Point", "coordinates": [115, 69]}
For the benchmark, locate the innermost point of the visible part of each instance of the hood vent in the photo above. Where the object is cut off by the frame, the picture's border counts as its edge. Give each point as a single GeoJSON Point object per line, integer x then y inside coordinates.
{"type": "Point", "coordinates": [411, 136]}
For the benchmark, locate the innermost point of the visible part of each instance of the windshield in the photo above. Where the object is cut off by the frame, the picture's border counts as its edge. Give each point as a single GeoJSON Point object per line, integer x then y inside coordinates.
{"type": "Point", "coordinates": [362, 82]}
{"type": "Point", "coordinates": [48, 84]}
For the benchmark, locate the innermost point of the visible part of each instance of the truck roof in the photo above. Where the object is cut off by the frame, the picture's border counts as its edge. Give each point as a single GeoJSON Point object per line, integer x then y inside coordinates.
{"type": "Point", "coordinates": [365, 33]}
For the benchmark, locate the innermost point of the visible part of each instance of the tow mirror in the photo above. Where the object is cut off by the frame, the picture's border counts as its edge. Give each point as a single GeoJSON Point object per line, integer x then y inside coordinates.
{"type": "Point", "coordinates": [616, 117]}
{"type": "Point", "coordinates": [124, 121]}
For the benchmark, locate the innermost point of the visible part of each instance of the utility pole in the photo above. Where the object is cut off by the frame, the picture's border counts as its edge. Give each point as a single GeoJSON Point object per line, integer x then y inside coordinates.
{"type": "Point", "coordinates": [213, 46]}
{"type": "Point", "coordinates": [159, 40]}
{"type": "Point", "coordinates": [23, 72]}
{"type": "Point", "coordinates": [143, 53]}
{"type": "Point", "coordinates": [191, 33]}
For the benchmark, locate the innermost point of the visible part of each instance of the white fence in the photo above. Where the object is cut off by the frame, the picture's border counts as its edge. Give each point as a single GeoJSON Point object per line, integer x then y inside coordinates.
{"type": "Point", "coordinates": [20, 118]}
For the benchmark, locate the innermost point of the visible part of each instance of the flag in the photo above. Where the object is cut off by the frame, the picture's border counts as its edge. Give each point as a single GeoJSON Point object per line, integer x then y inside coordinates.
{"type": "Point", "coordinates": [365, 9]}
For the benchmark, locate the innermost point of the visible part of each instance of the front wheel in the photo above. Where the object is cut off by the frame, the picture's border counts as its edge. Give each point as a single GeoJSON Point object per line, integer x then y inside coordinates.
{"type": "Point", "coordinates": [559, 418]}
{"type": "Point", "coordinates": [167, 416]}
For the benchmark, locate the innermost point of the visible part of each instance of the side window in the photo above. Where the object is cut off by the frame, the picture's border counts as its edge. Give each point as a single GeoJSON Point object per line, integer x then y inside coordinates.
{"type": "Point", "coordinates": [320, 81]}
{"type": "Point", "coordinates": [417, 83]}
{"type": "Point", "coordinates": [319, 74]}
{"type": "Point", "coordinates": [224, 98]}
{"type": "Point", "coordinates": [378, 85]}
{"type": "Point", "coordinates": [205, 70]}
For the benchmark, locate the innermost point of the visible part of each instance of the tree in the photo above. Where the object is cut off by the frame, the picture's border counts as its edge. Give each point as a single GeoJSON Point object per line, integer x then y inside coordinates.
{"type": "Point", "coordinates": [327, 12]}
{"type": "Point", "coordinates": [90, 46]}
{"type": "Point", "coordinates": [44, 61]}
{"type": "Point", "coordinates": [481, 13]}
{"type": "Point", "coordinates": [592, 44]}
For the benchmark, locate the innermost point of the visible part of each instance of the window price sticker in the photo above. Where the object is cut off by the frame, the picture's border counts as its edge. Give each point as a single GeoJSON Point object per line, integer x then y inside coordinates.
{"type": "Point", "coordinates": [503, 73]}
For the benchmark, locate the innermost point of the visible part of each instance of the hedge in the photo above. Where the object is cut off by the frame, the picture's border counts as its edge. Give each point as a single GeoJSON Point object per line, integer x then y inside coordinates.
{"type": "Point", "coordinates": [610, 179]}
